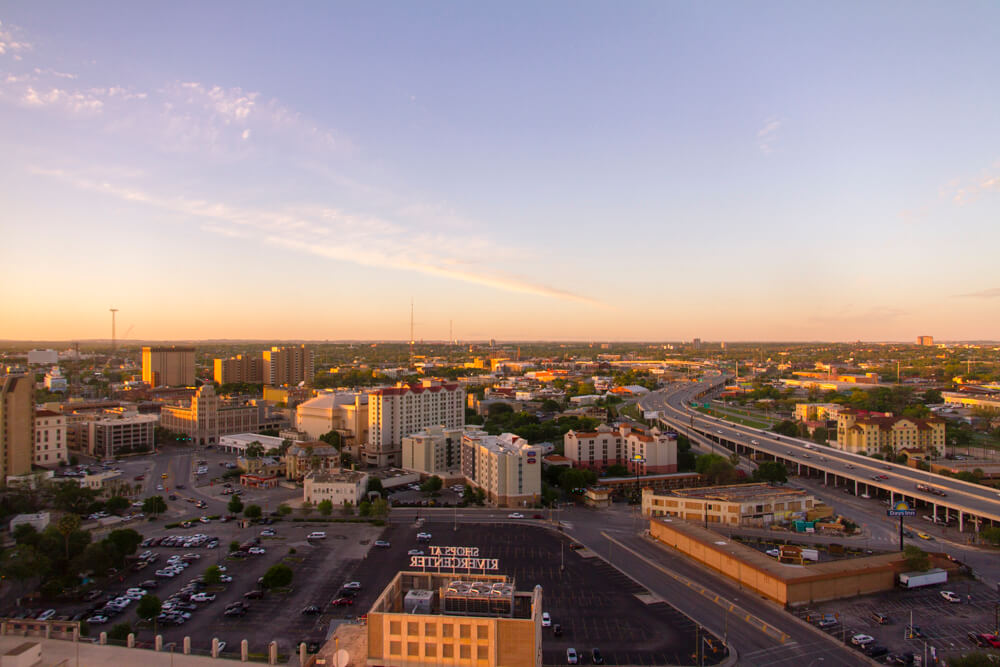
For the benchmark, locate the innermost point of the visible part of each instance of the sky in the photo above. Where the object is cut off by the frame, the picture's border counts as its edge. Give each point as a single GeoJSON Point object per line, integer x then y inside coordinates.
{"type": "Point", "coordinates": [518, 170]}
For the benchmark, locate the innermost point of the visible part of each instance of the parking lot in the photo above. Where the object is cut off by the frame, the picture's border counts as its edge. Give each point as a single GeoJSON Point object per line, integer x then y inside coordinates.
{"type": "Point", "coordinates": [945, 626]}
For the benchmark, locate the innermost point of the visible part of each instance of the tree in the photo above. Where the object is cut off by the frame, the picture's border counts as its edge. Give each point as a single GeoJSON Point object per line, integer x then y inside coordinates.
{"type": "Point", "coordinates": [432, 484]}
{"type": "Point", "coordinates": [154, 505]}
{"type": "Point", "coordinates": [716, 469]}
{"type": "Point", "coordinates": [68, 523]}
{"type": "Point", "coordinates": [254, 450]}
{"type": "Point", "coordinates": [121, 543]}
{"type": "Point", "coordinates": [233, 546]}
{"type": "Point", "coordinates": [976, 659]}
{"type": "Point", "coordinates": [69, 496]}
{"type": "Point", "coordinates": [149, 607]}
{"type": "Point", "coordinates": [120, 632]}
{"type": "Point", "coordinates": [25, 534]}
{"type": "Point", "coordinates": [991, 535]}
{"type": "Point", "coordinates": [916, 559]}
{"type": "Point", "coordinates": [24, 562]}
{"type": "Point", "coordinates": [348, 508]}
{"type": "Point", "coordinates": [576, 478]}
{"type": "Point", "coordinates": [277, 576]}
{"type": "Point", "coordinates": [821, 435]}
{"type": "Point", "coordinates": [331, 438]}
{"type": "Point", "coordinates": [284, 510]}
{"type": "Point", "coordinates": [213, 575]}
{"type": "Point", "coordinates": [235, 505]}
{"type": "Point", "coordinates": [374, 484]}
{"type": "Point", "coordinates": [365, 508]}
{"type": "Point", "coordinates": [116, 504]}
{"type": "Point", "coordinates": [252, 512]}
{"type": "Point", "coordinates": [616, 470]}
{"type": "Point", "coordinates": [786, 427]}
{"type": "Point", "coordinates": [325, 507]}
{"type": "Point", "coordinates": [550, 405]}
{"type": "Point", "coordinates": [771, 471]}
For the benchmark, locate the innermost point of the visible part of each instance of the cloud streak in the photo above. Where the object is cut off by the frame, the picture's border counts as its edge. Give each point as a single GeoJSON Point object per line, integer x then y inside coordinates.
{"type": "Point", "coordinates": [768, 135]}
{"type": "Point", "coordinates": [990, 293]}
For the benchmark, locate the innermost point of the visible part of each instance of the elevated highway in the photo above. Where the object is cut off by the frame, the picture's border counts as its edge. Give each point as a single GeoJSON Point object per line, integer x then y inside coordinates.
{"type": "Point", "coordinates": [944, 499]}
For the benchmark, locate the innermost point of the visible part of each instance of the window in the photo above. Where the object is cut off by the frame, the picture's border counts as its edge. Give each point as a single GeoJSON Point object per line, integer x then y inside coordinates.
{"type": "Point", "coordinates": [412, 648]}
{"type": "Point", "coordinates": [394, 627]}
{"type": "Point", "coordinates": [466, 631]}
{"type": "Point", "coordinates": [482, 632]}
{"type": "Point", "coordinates": [447, 651]}
{"type": "Point", "coordinates": [430, 650]}
{"type": "Point", "coordinates": [482, 652]}
{"type": "Point", "coordinates": [465, 652]}
{"type": "Point", "coordinates": [412, 628]}
{"type": "Point", "coordinates": [394, 648]}
{"type": "Point", "coordinates": [447, 630]}
{"type": "Point", "coordinates": [430, 629]}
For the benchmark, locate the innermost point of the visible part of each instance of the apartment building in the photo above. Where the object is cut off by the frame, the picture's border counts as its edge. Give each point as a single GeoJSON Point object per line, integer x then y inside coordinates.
{"type": "Point", "coordinates": [50, 438]}
{"type": "Point", "coordinates": [336, 486]}
{"type": "Point", "coordinates": [343, 412]}
{"type": "Point", "coordinates": [396, 412]}
{"type": "Point", "coordinates": [609, 446]}
{"type": "Point", "coordinates": [116, 435]}
{"type": "Point", "coordinates": [869, 433]}
{"type": "Point", "coordinates": [925, 341]}
{"type": "Point", "coordinates": [208, 417]}
{"type": "Point", "coordinates": [435, 450]}
{"type": "Point", "coordinates": [807, 412]}
{"type": "Point", "coordinates": [248, 368]}
{"type": "Point", "coordinates": [17, 425]}
{"type": "Point", "coordinates": [288, 365]}
{"type": "Point", "coordinates": [505, 467]}
{"type": "Point", "coordinates": [168, 366]}
{"type": "Point", "coordinates": [738, 504]}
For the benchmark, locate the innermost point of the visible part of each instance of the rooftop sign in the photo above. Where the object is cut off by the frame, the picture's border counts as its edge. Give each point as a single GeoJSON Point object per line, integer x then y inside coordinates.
{"type": "Point", "coordinates": [464, 558]}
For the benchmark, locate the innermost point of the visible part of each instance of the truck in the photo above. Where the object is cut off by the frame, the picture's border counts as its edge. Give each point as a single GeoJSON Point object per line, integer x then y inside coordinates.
{"type": "Point", "coordinates": [810, 554]}
{"type": "Point", "coordinates": [918, 579]}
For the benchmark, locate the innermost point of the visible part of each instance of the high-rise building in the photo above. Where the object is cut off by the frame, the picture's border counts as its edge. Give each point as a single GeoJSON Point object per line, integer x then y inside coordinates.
{"type": "Point", "coordinates": [209, 417]}
{"type": "Point", "coordinates": [248, 368]}
{"type": "Point", "coordinates": [505, 467]}
{"type": "Point", "coordinates": [927, 341]}
{"type": "Point", "coordinates": [396, 412]}
{"type": "Point", "coordinates": [116, 435]}
{"type": "Point", "coordinates": [168, 366]}
{"type": "Point", "coordinates": [50, 438]}
{"type": "Point", "coordinates": [434, 450]}
{"type": "Point", "coordinates": [17, 425]}
{"type": "Point", "coordinates": [288, 365]}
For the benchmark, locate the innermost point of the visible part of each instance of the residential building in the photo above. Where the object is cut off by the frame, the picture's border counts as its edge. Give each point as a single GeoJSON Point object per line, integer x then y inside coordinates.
{"type": "Point", "coordinates": [209, 417]}
{"type": "Point", "coordinates": [505, 467]}
{"type": "Point", "coordinates": [248, 368]}
{"type": "Point", "coordinates": [737, 504]}
{"type": "Point", "coordinates": [344, 412]}
{"type": "Point", "coordinates": [869, 433]}
{"type": "Point", "coordinates": [17, 425]}
{"type": "Point", "coordinates": [288, 365]}
{"type": "Point", "coordinates": [304, 457]}
{"type": "Point", "coordinates": [116, 435]}
{"type": "Point", "coordinates": [434, 451]}
{"type": "Point", "coordinates": [805, 412]}
{"type": "Point", "coordinates": [643, 451]}
{"type": "Point", "coordinates": [395, 412]}
{"type": "Point", "coordinates": [335, 485]}
{"type": "Point", "coordinates": [50, 438]}
{"type": "Point", "coordinates": [168, 366]}
{"type": "Point", "coordinates": [42, 357]}
{"type": "Point", "coordinates": [927, 341]}
{"type": "Point", "coordinates": [54, 380]}
{"type": "Point", "coordinates": [454, 620]}
{"type": "Point", "coordinates": [237, 443]}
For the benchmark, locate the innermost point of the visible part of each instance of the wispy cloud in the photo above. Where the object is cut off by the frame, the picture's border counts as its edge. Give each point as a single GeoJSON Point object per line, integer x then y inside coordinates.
{"type": "Point", "coordinates": [990, 293]}
{"type": "Point", "coordinates": [985, 184]}
{"type": "Point", "coordinates": [335, 234]}
{"type": "Point", "coordinates": [10, 44]}
{"type": "Point", "coordinates": [768, 135]}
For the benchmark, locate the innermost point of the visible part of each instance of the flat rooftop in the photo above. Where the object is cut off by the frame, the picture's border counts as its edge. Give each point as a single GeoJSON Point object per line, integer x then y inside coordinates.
{"type": "Point", "coordinates": [470, 592]}
{"type": "Point", "coordinates": [738, 492]}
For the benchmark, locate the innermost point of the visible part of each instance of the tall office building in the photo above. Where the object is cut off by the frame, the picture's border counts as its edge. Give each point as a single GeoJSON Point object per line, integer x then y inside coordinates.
{"type": "Point", "coordinates": [288, 365]}
{"type": "Point", "coordinates": [396, 412]}
{"type": "Point", "coordinates": [17, 425]}
{"type": "Point", "coordinates": [248, 368]}
{"type": "Point", "coordinates": [208, 417]}
{"type": "Point", "coordinates": [927, 341]}
{"type": "Point", "coordinates": [168, 366]}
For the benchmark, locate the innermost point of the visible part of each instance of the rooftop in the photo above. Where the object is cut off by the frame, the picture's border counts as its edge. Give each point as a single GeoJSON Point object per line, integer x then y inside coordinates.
{"type": "Point", "coordinates": [738, 492]}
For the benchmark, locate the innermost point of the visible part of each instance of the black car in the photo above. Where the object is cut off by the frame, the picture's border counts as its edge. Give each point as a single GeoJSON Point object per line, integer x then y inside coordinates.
{"type": "Point", "coordinates": [596, 656]}
{"type": "Point", "coordinates": [899, 659]}
{"type": "Point", "coordinates": [253, 595]}
{"type": "Point", "coordinates": [311, 610]}
{"type": "Point", "coordinates": [348, 593]}
{"type": "Point", "coordinates": [557, 630]}
{"type": "Point", "coordinates": [874, 650]}
{"type": "Point", "coordinates": [235, 611]}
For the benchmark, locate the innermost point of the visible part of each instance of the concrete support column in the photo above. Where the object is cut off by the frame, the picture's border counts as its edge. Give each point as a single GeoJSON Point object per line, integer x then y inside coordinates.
{"type": "Point", "coordinates": [855, 487]}
{"type": "Point", "coordinates": [76, 633]}
{"type": "Point", "coordinates": [130, 641]}
{"type": "Point", "coordinates": [102, 639]}
{"type": "Point", "coordinates": [824, 478]}
{"type": "Point", "coordinates": [186, 646]}
{"type": "Point", "coordinates": [935, 512]}
{"type": "Point", "coordinates": [892, 497]}
{"type": "Point", "coordinates": [3, 628]}
{"type": "Point", "coordinates": [244, 650]}
{"type": "Point", "coordinates": [48, 630]}
{"type": "Point", "coordinates": [961, 524]}
{"type": "Point", "coordinates": [215, 647]}
{"type": "Point", "coordinates": [272, 653]}
{"type": "Point", "coordinates": [158, 643]}
{"type": "Point", "coordinates": [302, 653]}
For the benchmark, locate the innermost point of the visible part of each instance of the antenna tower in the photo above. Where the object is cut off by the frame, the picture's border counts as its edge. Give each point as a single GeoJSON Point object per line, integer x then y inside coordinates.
{"type": "Point", "coordinates": [113, 311]}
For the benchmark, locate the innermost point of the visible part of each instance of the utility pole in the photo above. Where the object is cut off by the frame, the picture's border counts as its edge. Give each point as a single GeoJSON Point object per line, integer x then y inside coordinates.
{"type": "Point", "coordinates": [113, 311]}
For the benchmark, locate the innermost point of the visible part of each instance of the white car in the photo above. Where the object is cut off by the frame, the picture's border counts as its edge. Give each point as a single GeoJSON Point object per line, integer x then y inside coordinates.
{"type": "Point", "coordinates": [46, 615]}
{"type": "Point", "coordinates": [862, 640]}
{"type": "Point", "coordinates": [415, 552]}
{"type": "Point", "coordinates": [316, 535]}
{"type": "Point", "coordinates": [202, 597]}
{"type": "Point", "coordinates": [571, 658]}
{"type": "Point", "coordinates": [423, 537]}
{"type": "Point", "coordinates": [773, 552]}
{"type": "Point", "coordinates": [258, 551]}
{"type": "Point", "coordinates": [166, 573]}
{"type": "Point", "coordinates": [546, 619]}
{"type": "Point", "coordinates": [226, 579]}
{"type": "Point", "coordinates": [97, 620]}
{"type": "Point", "coordinates": [352, 586]}
{"type": "Point", "coordinates": [515, 515]}
{"type": "Point", "coordinates": [951, 597]}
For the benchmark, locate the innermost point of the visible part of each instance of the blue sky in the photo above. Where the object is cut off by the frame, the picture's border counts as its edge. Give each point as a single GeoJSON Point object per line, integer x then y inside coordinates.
{"type": "Point", "coordinates": [631, 171]}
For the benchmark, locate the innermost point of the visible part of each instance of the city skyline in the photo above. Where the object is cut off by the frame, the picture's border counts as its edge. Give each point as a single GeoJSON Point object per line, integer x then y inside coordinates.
{"type": "Point", "coordinates": [643, 172]}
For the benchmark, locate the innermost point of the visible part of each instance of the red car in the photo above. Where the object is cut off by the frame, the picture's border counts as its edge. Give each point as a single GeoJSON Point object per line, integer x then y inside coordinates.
{"type": "Point", "coordinates": [992, 640]}
{"type": "Point", "coordinates": [343, 602]}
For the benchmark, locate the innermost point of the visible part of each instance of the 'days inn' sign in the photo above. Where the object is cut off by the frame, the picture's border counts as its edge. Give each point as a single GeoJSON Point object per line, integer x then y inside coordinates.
{"type": "Point", "coordinates": [901, 508]}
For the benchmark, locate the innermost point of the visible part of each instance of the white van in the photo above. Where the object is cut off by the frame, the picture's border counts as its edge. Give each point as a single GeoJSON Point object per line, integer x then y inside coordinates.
{"type": "Point", "coordinates": [316, 535]}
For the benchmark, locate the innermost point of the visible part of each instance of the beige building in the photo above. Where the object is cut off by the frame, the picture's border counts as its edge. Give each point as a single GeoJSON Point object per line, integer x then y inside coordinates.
{"type": "Point", "coordinates": [435, 450]}
{"type": "Point", "coordinates": [288, 365]}
{"type": "Point", "coordinates": [208, 417]}
{"type": "Point", "coordinates": [248, 368]}
{"type": "Point", "coordinates": [50, 438]}
{"type": "Point", "coordinates": [465, 620]}
{"type": "Point", "coordinates": [302, 458]}
{"type": "Point", "coordinates": [336, 486]}
{"type": "Point", "coordinates": [869, 433]}
{"type": "Point", "coordinates": [737, 504]}
{"type": "Point", "coordinates": [343, 412]}
{"type": "Point", "coordinates": [807, 412]}
{"type": "Point", "coordinates": [115, 435]}
{"type": "Point", "coordinates": [396, 412]}
{"type": "Point", "coordinates": [957, 399]}
{"type": "Point", "coordinates": [168, 366]}
{"type": "Point", "coordinates": [17, 425]}
{"type": "Point", "coordinates": [927, 341]}
{"type": "Point", "coordinates": [608, 446]}
{"type": "Point", "coordinates": [505, 467]}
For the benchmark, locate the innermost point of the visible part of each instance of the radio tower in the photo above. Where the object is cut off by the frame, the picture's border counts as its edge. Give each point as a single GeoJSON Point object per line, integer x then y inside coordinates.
{"type": "Point", "coordinates": [411, 331]}
{"type": "Point", "coordinates": [113, 311]}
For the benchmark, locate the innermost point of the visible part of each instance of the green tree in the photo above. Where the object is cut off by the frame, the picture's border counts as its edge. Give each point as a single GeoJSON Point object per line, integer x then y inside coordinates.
{"type": "Point", "coordinates": [331, 438]}
{"type": "Point", "coordinates": [149, 607]}
{"type": "Point", "coordinates": [786, 427]}
{"type": "Point", "coordinates": [991, 535]}
{"type": "Point", "coordinates": [235, 505]}
{"type": "Point", "coordinates": [120, 632]}
{"type": "Point", "coordinates": [374, 484]}
{"type": "Point", "coordinates": [252, 512]}
{"type": "Point", "coordinates": [154, 505]}
{"type": "Point", "coordinates": [916, 559]}
{"type": "Point", "coordinates": [69, 496]}
{"type": "Point", "coordinates": [576, 478]}
{"type": "Point", "coordinates": [116, 504]}
{"type": "Point", "coordinates": [277, 576]}
{"type": "Point", "coordinates": [977, 659]}
{"type": "Point", "coordinates": [325, 507]}
{"type": "Point", "coordinates": [254, 450]}
{"type": "Point", "coordinates": [25, 534]}
{"type": "Point", "coordinates": [550, 405]}
{"type": "Point", "coordinates": [432, 484]}
{"type": "Point", "coordinates": [122, 543]}
{"type": "Point", "coordinates": [380, 508]}
{"type": "Point", "coordinates": [67, 525]}
{"type": "Point", "coordinates": [284, 509]}
{"type": "Point", "coordinates": [348, 508]}
{"type": "Point", "coordinates": [771, 471]}
{"type": "Point", "coordinates": [233, 546]}
{"type": "Point", "coordinates": [617, 470]}
{"type": "Point", "coordinates": [821, 435]}
{"type": "Point", "coordinates": [24, 562]}
{"type": "Point", "coordinates": [716, 469]}
{"type": "Point", "coordinates": [213, 575]}
{"type": "Point", "coordinates": [365, 508]}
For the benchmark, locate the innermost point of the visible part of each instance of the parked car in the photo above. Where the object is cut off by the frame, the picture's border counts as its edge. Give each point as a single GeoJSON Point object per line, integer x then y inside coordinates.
{"type": "Point", "coordinates": [415, 552]}
{"type": "Point", "coordinates": [253, 595]}
{"type": "Point", "coordinates": [382, 544]}
{"type": "Point", "coordinates": [47, 614]}
{"type": "Point", "coordinates": [951, 597]}
{"type": "Point", "coordinates": [862, 639]}
{"type": "Point", "coordinates": [880, 618]}
{"type": "Point", "coordinates": [571, 657]}
{"type": "Point", "coordinates": [423, 537]}
{"type": "Point", "coordinates": [556, 630]}
{"type": "Point", "coordinates": [517, 515]}
{"type": "Point", "coordinates": [546, 619]}
{"type": "Point", "coordinates": [352, 586]}
{"type": "Point", "coordinates": [596, 657]}
{"type": "Point", "coordinates": [202, 597]}
{"type": "Point", "coordinates": [311, 610]}
{"type": "Point", "coordinates": [342, 602]}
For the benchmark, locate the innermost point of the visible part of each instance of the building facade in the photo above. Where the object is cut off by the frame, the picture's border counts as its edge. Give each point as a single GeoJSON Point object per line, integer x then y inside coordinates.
{"type": "Point", "coordinates": [435, 450]}
{"type": "Point", "coordinates": [925, 341]}
{"type": "Point", "coordinates": [737, 504]}
{"type": "Point", "coordinates": [168, 366]}
{"type": "Point", "coordinates": [642, 451]}
{"type": "Point", "coordinates": [806, 412]}
{"type": "Point", "coordinates": [869, 433]}
{"type": "Point", "coordinates": [17, 425]}
{"type": "Point", "coordinates": [288, 365]}
{"type": "Point", "coordinates": [505, 467]}
{"type": "Point", "coordinates": [50, 438]}
{"type": "Point", "coordinates": [395, 412]}
{"type": "Point", "coordinates": [54, 380]}
{"type": "Point", "coordinates": [343, 412]}
{"type": "Point", "coordinates": [302, 458]}
{"type": "Point", "coordinates": [208, 417]}
{"type": "Point", "coordinates": [337, 486]}
{"type": "Point", "coordinates": [248, 368]}
{"type": "Point", "coordinates": [126, 434]}
{"type": "Point", "coordinates": [958, 399]}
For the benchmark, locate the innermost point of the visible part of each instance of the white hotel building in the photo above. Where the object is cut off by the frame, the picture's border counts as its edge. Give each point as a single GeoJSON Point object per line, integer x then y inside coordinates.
{"type": "Point", "coordinates": [396, 412]}
{"type": "Point", "coordinates": [505, 467]}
